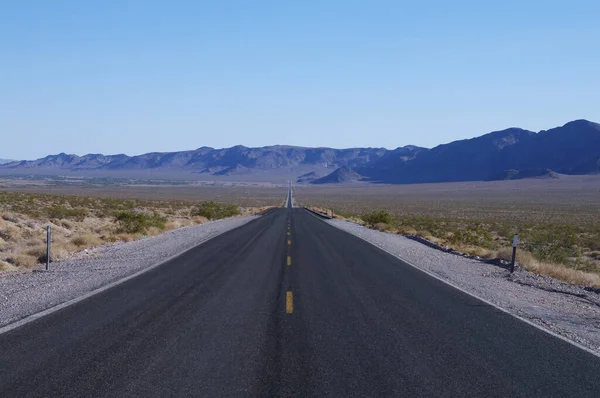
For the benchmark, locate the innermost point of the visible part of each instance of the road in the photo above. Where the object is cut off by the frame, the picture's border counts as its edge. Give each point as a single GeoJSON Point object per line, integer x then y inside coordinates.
{"type": "Point", "coordinates": [288, 305]}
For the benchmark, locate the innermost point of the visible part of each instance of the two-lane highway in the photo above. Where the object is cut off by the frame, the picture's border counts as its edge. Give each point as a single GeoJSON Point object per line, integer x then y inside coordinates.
{"type": "Point", "coordinates": [288, 305]}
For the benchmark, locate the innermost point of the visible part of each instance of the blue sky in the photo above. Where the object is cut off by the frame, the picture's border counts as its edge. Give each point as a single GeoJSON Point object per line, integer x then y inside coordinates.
{"type": "Point", "coordinates": [139, 76]}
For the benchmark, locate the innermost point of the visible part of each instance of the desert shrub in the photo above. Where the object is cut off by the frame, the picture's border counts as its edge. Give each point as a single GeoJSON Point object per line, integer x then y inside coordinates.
{"type": "Point", "coordinates": [67, 224]}
{"type": "Point", "coordinates": [553, 243]}
{"type": "Point", "coordinates": [4, 266]}
{"type": "Point", "coordinates": [214, 211]}
{"type": "Point", "coordinates": [61, 212]}
{"type": "Point", "coordinates": [131, 222]}
{"type": "Point", "coordinates": [377, 217]}
{"type": "Point", "coordinates": [583, 264]}
{"type": "Point", "coordinates": [472, 235]}
{"type": "Point", "coordinates": [23, 260]}
{"type": "Point", "coordinates": [406, 230]}
{"type": "Point", "coordinates": [86, 240]}
{"type": "Point", "coordinates": [435, 227]}
{"type": "Point", "coordinates": [8, 233]}
{"type": "Point", "coordinates": [342, 213]}
{"type": "Point", "coordinates": [590, 240]}
{"type": "Point", "coordinates": [11, 217]}
{"type": "Point", "coordinates": [383, 227]}
{"type": "Point", "coordinates": [424, 234]}
{"type": "Point", "coordinates": [595, 254]}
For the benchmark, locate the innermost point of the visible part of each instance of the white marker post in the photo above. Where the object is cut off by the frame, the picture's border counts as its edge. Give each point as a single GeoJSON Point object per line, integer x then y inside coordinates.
{"type": "Point", "coordinates": [514, 256]}
{"type": "Point", "coordinates": [48, 240]}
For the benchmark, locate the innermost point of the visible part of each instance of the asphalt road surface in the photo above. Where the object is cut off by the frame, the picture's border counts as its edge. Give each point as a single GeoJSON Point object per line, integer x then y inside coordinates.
{"type": "Point", "coordinates": [288, 306]}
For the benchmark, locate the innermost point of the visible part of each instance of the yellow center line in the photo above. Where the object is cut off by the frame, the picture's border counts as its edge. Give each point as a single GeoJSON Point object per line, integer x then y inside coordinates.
{"type": "Point", "coordinates": [289, 260]}
{"type": "Point", "coordinates": [289, 302]}
{"type": "Point", "coordinates": [289, 242]}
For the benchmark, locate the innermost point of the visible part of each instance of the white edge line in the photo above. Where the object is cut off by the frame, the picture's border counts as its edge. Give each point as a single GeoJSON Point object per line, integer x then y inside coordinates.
{"type": "Point", "coordinates": [550, 332]}
{"type": "Point", "coordinates": [48, 311]}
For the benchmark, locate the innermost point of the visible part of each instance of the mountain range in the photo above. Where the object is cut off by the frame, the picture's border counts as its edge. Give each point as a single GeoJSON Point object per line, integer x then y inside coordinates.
{"type": "Point", "coordinates": [507, 154]}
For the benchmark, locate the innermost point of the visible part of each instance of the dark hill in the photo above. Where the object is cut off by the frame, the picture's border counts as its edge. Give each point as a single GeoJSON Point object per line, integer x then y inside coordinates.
{"type": "Point", "coordinates": [306, 178]}
{"type": "Point", "coordinates": [339, 176]}
{"type": "Point", "coordinates": [523, 174]}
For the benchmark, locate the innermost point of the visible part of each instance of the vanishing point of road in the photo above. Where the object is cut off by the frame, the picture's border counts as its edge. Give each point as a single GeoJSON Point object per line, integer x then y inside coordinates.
{"type": "Point", "coordinates": [288, 305]}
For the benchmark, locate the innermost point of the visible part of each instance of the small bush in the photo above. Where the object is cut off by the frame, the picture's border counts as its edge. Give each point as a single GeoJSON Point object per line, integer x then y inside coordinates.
{"type": "Point", "coordinates": [382, 227]}
{"type": "Point", "coordinates": [23, 260]}
{"type": "Point", "coordinates": [424, 234]}
{"type": "Point", "coordinates": [4, 266]}
{"type": "Point", "coordinates": [595, 255]}
{"type": "Point", "coordinates": [472, 235]}
{"type": "Point", "coordinates": [215, 211]}
{"type": "Point", "coordinates": [9, 233]}
{"type": "Point", "coordinates": [406, 230]}
{"type": "Point", "coordinates": [11, 217]}
{"type": "Point", "coordinates": [67, 224]}
{"type": "Point", "coordinates": [131, 222]}
{"type": "Point", "coordinates": [555, 244]}
{"type": "Point", "coordinates": [377, 217]}
{"type": "Point", "coordinates": [60, 212]}
{"type": "Point", "coordinates": [86, 241]}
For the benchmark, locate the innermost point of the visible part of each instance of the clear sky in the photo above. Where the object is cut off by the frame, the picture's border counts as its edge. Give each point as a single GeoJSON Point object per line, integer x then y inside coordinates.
{"type": "Point", "coordinates": [138, 76]}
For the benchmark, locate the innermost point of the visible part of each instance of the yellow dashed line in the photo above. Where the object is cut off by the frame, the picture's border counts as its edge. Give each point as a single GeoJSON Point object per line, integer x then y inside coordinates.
{"type": "Point", "coordinates": [289, 242]}
{"type": "Point", "coordinates": [289, 262]}
{"type": "Point", "coordinates": [289, 302]}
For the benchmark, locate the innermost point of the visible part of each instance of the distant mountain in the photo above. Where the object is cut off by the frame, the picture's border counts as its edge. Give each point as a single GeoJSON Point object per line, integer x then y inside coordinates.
{"type": "Point", "coordinates": [341, 175]}
{"type": "Point", "coordinates": [4, 161]}
{"type": "Point", "coordinates": [507, 154]}
{"type": "Point", "coordinates": [268, 163]}
{"type": "Point", "coordinates": [570, 149]}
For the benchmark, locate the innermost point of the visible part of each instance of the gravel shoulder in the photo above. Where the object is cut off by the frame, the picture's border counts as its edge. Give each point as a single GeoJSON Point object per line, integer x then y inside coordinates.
{"type": "Point", "coordinates": [570, 311]}
{"type": "Point", "coordinates": [26, 293]}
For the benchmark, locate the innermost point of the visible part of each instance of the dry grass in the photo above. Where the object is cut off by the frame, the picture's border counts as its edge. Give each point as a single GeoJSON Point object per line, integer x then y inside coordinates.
{"type": "Point", "coordinates": [532, 264]}
{"type": "Point", "coordinates": [5, 267]}
{"type": "Point", "coordinates": [22, 261]}
{"type": "Point", "coordinates": [86, 240]}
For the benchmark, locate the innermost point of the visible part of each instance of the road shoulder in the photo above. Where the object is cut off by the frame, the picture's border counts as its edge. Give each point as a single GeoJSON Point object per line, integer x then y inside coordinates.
{"type": "Point", "coordinates": [25, 294]}
{"type": "Point", "coordinates": [569, 315]}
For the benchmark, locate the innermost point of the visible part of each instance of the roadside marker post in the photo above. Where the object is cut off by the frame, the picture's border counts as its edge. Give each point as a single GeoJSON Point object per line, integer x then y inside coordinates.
{"type": "Point", "coordinates": [48, 240]}
{"type": "Point", "coordinates": [514, 254]}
